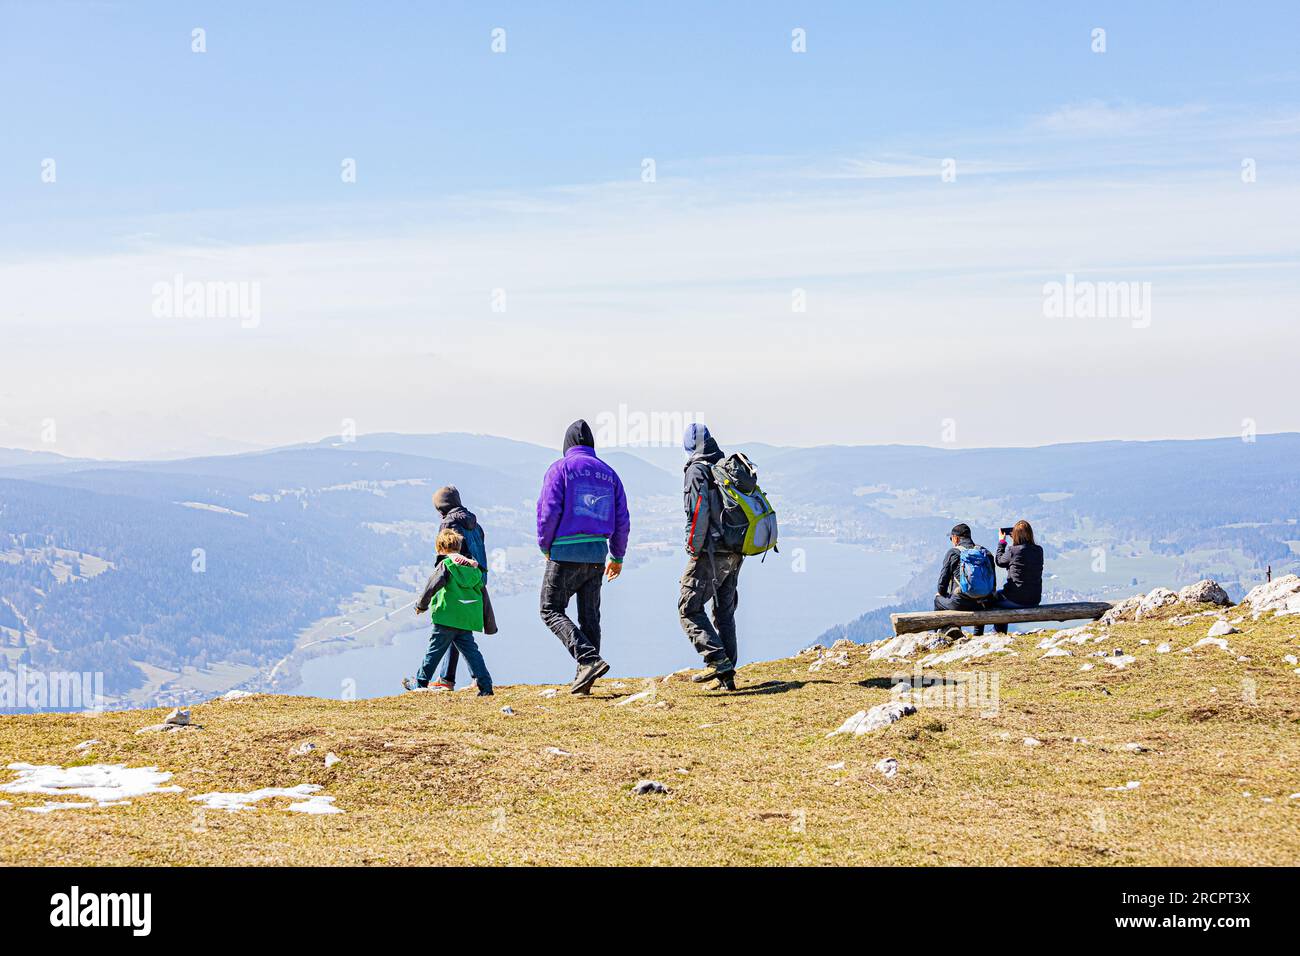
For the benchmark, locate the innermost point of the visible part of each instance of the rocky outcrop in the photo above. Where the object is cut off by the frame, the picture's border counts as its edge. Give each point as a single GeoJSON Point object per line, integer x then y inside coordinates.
{"type": "Point", "coordinates": [1155, 599]}
{"type": "Point", "coordinates": [1204, 592]}
{"type": "Point", "coordinates": [905, 645]}
{"type": "Point", "coordinates": [1141, 606]}
{"type": "Point", "coordinates": [1123, 611]}
{"type": "Point", "coordinates": [1279, 597]}
{"type": "Point", "coordinates": [982, 646]}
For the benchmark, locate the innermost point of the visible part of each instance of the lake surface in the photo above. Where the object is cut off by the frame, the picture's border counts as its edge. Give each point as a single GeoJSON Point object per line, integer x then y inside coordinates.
{"type": "Point", "coordinates": [786, 602]}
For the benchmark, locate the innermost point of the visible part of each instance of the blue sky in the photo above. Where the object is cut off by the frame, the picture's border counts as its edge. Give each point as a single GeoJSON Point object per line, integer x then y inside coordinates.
{"type": "Point", "coordinates": [522, 171]}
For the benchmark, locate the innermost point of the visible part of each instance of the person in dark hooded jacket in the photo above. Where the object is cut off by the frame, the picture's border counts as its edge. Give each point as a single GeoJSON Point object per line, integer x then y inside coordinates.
{"type": "Point", "coordinates": [712, 571]}
{"type": "Point", "coordinates": [456, 517]}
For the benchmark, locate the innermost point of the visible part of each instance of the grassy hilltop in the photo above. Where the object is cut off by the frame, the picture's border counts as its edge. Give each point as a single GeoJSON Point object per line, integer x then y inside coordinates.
{"type": "Point", "coordinates": [752, 777]}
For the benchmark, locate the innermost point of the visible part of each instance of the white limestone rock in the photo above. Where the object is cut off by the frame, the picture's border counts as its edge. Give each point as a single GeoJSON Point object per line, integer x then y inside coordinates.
{"type": "Point", "coordinates": [1154, 601]}
{"type": "Point", "coordinates": [1281, 597]}
{"type": "Point", "coordinates": [982, 646]}
{"type": "Point", "coordinates": [1204, 592]}
{"type": "Point", "coordinates": [882, 715]}
{"type": "Point", "coordinates": [905, 645]}
{"type": "Point", "coordinates": [1122, 611]}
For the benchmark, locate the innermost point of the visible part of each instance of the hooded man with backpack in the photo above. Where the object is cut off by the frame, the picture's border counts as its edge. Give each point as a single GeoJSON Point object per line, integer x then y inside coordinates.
{"type": "Point", "coordinates": [717, 548]}
{"type": "Point", "coordinates": [581, 518]}
{"type": "Point", "coordinates": [967, 580]}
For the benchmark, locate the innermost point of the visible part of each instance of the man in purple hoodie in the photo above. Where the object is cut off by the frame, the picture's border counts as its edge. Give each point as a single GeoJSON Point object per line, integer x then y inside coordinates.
{"type": "Point", "coordinates": [581, 518]}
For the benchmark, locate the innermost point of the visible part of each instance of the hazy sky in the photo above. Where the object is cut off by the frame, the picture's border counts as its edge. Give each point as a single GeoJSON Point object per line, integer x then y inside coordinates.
{"type": "Point", "coordinates": [806, 266]}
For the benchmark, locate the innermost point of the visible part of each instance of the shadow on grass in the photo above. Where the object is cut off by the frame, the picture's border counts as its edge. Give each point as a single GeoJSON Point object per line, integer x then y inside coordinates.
{"type": "Point", "coordinates": [887, 683]}
{"type": "Point", "coordinates": [770, 687]}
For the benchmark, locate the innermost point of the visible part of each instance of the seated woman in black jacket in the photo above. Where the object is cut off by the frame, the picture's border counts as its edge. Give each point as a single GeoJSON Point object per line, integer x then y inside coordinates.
{"type": "Point", "coordinates": [1024, 563]}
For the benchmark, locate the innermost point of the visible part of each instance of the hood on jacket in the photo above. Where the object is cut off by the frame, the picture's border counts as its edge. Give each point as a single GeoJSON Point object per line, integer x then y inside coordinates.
{"type": "Point", "coordinates": [699, 444]}
{"type": "Point", "coordinates": [464, 570]}
{"type": "Point", "coordinates": [579, 433]}
{"type": "Point", "coordinates": [446, 498]}
{"type": "Point", "coordinates": [695, 437]}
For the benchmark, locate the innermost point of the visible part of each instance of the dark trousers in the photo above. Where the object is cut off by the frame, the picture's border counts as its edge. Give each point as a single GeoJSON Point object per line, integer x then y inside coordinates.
{"type": "Point", "coordinates": [1003, 603]}
{"type": "Point", "coordinates": [962, 602]}
{"type": "Point", "coordinates": [449, 665]}
{"type": "Point", "coordinates": [443, 638]}
{"type": "Point", "coordinates": [711, 577]}
{"type": "Point", "coordinates": [561, 581]}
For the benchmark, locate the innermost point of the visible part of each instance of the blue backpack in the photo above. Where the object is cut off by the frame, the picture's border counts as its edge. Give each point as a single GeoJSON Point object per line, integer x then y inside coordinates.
{"type": "Point", "coordinates": [975, 575]}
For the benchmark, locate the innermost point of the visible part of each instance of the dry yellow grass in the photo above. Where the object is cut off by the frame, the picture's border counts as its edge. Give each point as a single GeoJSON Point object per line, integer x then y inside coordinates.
{"type": "Point", "coordinates": [449, 778]}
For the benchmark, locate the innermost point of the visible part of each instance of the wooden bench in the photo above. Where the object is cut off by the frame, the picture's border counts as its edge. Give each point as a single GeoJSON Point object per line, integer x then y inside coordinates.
{"type": "Point", "coordinates": [915, 621]}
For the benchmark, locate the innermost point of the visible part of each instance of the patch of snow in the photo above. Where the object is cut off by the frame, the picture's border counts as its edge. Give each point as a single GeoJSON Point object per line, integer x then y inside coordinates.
{"type": "Point", "coordinates": [1163, 649]}
{"type": "Point", "coordinates": [1131, 785]}
{"type": "Point", "coordinates": [1057, 652]}
{"type": "Point", "coordinates": [557, 752]}
{"type": "Point", "coordinates": [840, 766]}
{"type": "Point", "coordinates": [235, 695]}
{"type": "Point", "coordinates": [888, 766]}
{"type": "Point", "coordinates": [318, 805]}
{"type": "Point", "coordinates": [304, 793]}
{"type": "Point", "coordinates": [1032, 742]}
{"type": "Point", "coordinates": [549, 692]}
{"type": "Point", "coordinates": [331, 759]}
{"type": "Point", "coordinates": [1218, 642]}
{"type": "Point", "coordinates": [86, 745]}
{"type": "Point", "coordinates": [100, 782]}
{"type": "Point", "coordinates": [1120, 662]}
{"type": "Point", "coordinates": [1086, 667]}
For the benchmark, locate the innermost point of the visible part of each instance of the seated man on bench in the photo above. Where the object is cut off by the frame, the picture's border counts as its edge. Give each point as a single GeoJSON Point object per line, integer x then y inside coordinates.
{"type": "Point", "coordinates": [967, 581]}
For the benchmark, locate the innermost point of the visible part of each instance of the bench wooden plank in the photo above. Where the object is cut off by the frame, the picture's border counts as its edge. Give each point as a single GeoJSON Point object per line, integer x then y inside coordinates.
{"type": "Point", "coordinates": [916, 621]}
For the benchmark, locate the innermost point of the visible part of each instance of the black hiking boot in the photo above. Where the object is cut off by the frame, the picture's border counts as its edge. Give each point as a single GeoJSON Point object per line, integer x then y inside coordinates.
{"type": "Point", "coordinates": [587, 675]}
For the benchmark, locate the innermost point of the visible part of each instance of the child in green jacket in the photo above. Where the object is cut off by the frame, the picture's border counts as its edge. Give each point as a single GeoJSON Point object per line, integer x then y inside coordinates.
{"type": "Point", "coordinates": [455, 592]}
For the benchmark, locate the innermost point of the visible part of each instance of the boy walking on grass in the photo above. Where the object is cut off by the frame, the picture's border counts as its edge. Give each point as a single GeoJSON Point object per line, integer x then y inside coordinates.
{"type": "Point", "coordinates": [455, 594]}
{"type": "Point", "coordinates": [456, 517]}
